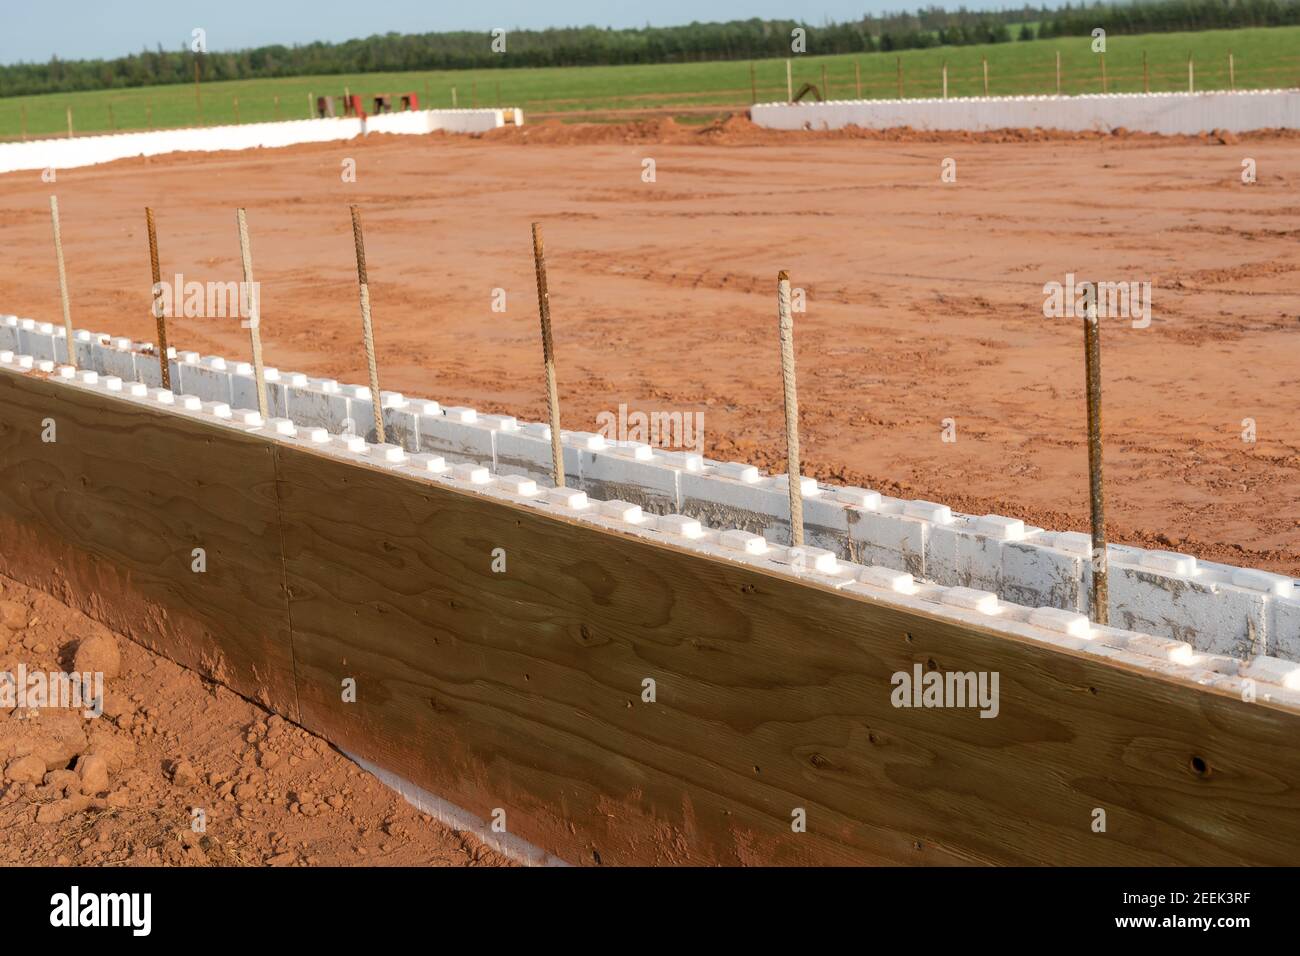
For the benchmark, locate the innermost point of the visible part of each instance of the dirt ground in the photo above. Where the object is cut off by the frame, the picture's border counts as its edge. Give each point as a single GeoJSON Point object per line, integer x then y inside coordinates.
{"type": "Point", "coordinates": [924, 298]}
{"type": "Point", "coordinates": [120, 789]}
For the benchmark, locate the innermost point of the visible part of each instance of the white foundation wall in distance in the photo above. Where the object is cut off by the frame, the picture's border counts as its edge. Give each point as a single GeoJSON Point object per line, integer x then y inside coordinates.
{"type": "Point", "coordinates": [1165, 113]}
{"type": "Point", "coordinates": [1216, 609]}
{"type": "Point", "coordinates": [79, 151]}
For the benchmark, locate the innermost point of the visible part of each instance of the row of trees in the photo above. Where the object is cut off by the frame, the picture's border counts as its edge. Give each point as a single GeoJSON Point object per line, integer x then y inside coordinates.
{"type": "Point", "coordinates": [583, 46]}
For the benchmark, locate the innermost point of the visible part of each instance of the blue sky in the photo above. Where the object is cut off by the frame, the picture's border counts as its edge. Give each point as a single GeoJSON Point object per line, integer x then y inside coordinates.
{"type": "Point", "coordinates": [78, 29]}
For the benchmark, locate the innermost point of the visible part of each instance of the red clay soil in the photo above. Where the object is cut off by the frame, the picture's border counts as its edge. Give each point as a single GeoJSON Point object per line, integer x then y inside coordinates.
{"type": "Point", "coordinates": [924, 298]}
{"type": "Point", "coordinates": [120, 789]}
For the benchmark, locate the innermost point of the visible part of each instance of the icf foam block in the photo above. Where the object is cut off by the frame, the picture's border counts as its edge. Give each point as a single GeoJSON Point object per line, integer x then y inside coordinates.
{"type": "Point", "coordinates": [402, 424]}
{"type": "Point", "coordinates": [648, 482]}
{"type": "Point", "coordinates": [1214, 618]}
{"type": "Point", "coordinates": [958, 555]}
{"type": "Point", "coordinates": [319, 404]}
{"type": "Point", "coordinates": [210, 379]}
{"type": "Point", "coordinates": [889, 538]}
{"type": "Point", "coordinates": [763, 506]}
{"type": "Point", "coordinates": [243, 391]}
{"type": "Point", "coordinates": [1037, 574]}
{"type": "Point", "coordinates": [527, 452]}
{"type": "Point", "coordinates": [1284, 627]}
{"type": "Point", "coordinates": [36, 339]}
{"type": "Point", "coordinates": [458, 438]}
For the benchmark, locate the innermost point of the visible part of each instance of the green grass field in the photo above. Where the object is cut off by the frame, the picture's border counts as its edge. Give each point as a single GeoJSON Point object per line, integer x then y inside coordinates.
{"type": "Point", "coordinates": [1263, 58]}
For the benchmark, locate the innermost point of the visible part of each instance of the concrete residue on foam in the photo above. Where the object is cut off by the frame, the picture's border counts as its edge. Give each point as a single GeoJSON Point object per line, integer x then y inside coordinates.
{"type": "Point", "coordinates": [1209, 610]}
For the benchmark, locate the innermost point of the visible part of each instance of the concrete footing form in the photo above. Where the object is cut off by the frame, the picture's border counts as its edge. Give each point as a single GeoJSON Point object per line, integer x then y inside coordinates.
{"type": "Point", "coordinates": [1166, 113]}
{"type": "Point", "coordinates": [92, 150]}
{"type": "Point", "coordinates": [1200, 628]}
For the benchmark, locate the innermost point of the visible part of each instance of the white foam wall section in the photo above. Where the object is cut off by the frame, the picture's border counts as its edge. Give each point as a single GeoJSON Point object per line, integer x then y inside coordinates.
{"type": "Point", "coordinates": [90, 150]}
{"type": "Point", "coordinates": [1166, 113]}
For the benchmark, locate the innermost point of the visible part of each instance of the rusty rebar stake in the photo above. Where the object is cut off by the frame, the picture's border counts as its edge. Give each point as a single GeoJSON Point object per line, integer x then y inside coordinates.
{"type": "Point", "coordinates": [158, 312]}
{"type": "Point", "coordinates": [785, 327]}
{"type": "Point", "coordinates": [253, 308]}
{"type": "Point", "coordinates": [1100, 600]}
{"type": "Point", "coordinates": [63, 281]}
{"type": "Point", "coordinates": [548, 357]}
{"type": "Point", "coordinates": [367, 329]}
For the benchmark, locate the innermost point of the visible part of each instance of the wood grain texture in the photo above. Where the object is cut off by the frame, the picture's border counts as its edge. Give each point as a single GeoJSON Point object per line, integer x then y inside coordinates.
{"type": "Point", "coordinates": [522, 690]}
{"type": "Point", "coordinates": [107, 516]}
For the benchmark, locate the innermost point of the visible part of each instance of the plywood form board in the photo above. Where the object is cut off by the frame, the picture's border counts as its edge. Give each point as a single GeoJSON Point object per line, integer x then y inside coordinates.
{"type": "Point", "coordinates": [107, 517]}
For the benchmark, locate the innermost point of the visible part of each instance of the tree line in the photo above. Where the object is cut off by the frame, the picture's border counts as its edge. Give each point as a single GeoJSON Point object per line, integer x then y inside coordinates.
{"type": "Point", "coordinates": [589, 46]}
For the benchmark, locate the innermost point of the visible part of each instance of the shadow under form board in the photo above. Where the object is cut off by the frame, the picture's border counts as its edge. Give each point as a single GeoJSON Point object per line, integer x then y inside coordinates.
{"type": "Point", "coordinates": [517, 695]}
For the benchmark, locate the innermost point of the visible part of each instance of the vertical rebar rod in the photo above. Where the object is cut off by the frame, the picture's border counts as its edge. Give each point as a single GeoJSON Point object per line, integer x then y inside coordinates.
{"type": "Point", "coordinates": [159, 315]}
{"type": "Point", "coordinates": [1100, 605]}
{"type": "Point", "coordinates": [548, 357]}
{"type": "Point", "coordinates": [367, 329]}
{"type": "Point", "coordinates": [253, 310]}
{"type": "Point", "coordinates": [63, 280]}
{"type": "Point", "coordinates": [785, 326]}
{"type": "Point", "coordinates": [945, 79]}
{"type": "Point", "coordinates": [1058, 72]}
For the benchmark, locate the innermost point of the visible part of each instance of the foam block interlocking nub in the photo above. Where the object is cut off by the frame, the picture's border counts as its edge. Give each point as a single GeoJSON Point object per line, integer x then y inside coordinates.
{"type": "Point", "coordinates": [391, 454]}
{"type": "Point", "coordinates": [353, 443]}
{"type": "Point", "coordinates": [858, 498]}
{"type": "Point", "coordinates": [570, 498]}
{"type": "Point", "coordinates": [1274, 670]}
{"type": "Point", "coordinates": [282, 426]}
{"type": "Point", "coordinates": [1170, 562]}
{"type": "Point", "coordinates": [518, 485]}
{"type": "Point", "coordinates": [316, 434]}
{"type": "Point", "coordinates": [433, 464]}
{"type": "Point", "coordinates": [1061, 622]}
{"type": "Point", "coordinates": [737, 471]}
{"type": "Point", "coordinates": [807, 486]}
{"type": "Point", "coordinates": [985, 602]}
{"type": "Point", "coordinates": [805, 558]}
{"type": "Point", "coordinates": [217, 409]}
{"type": "Point", "coordinates": [464, 416]}
{"type": "Point", "coordinates": [1000, 527]}
{"type": "Point", "coordinates": [499, 423]}
{"type": "Point", "coordinates": [637, 451]}
{"type": "Point", "coordinates": [684, 460]}
{"type": "Point", "coordinates": [1276, 584]}
{"type": "Point", "coordinates": [474, 474]}
{"type": "Point", "coordinates": [622, 511]}
{"type": "Point", "coordinates": [743, 541]}
{"type": "Point", "coordinates": [588, 441]}
{"type": "Point", "coordinates": [191, 403]}
{"type": "Point", "coordinates": [681, 525]}
{"type": "Point", "coordinates": [928, 511]}
{"type": "Point", "coordinates": [252, 419]}
{"type": "Point", "coordinates": [887, 578]}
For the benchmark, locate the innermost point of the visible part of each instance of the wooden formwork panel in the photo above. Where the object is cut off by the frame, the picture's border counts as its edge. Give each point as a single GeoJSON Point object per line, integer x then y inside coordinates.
{"type": "Point", "coordinates": [107, 517]}
{"type": "Point", "coordinates": [521, 691]}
